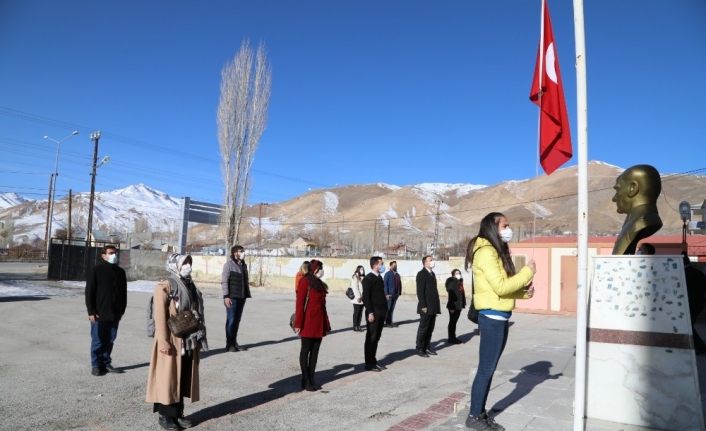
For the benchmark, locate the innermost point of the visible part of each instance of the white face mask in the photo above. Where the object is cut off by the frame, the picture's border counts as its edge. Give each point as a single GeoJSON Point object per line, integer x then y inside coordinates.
{"type": "Point", "coordinates": [185, 270]}
{"type": "Point", "coordinates": [506, 234]}
{"type": "Point", "coordinates": [361, 272]}
{"type": "Point", "coordinates": [458, 276]}
{"type": "Point", "coordinates": [112, 258]}
{"type": "Point", "coordinates": [320, 273]}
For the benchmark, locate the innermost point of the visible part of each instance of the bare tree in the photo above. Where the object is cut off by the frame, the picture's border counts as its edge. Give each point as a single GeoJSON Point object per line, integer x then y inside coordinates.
{"type": "Point", "coordinates": [242, 115]}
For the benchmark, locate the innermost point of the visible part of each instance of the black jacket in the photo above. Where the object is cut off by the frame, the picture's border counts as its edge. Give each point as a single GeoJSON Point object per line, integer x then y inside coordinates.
{"type": "Point", "coordinates": [106, 292]}
{"type": "Point", "coordinates": [427, 293]}
{"type": "Point", "coordinates": [374, 295]}
{"type": "Point", "coordinates": [234, 279]}
{"type": "Point", "coordinates": [457, 296]}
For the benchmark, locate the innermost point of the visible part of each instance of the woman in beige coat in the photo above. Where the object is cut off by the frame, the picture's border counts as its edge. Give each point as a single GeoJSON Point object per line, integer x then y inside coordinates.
{"type": "Point", "coordinates": [174, 364]}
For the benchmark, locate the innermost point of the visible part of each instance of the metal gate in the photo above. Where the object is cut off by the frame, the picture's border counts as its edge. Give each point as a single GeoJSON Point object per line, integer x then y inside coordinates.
{"type": "Point", "coordinates": [67, 258]}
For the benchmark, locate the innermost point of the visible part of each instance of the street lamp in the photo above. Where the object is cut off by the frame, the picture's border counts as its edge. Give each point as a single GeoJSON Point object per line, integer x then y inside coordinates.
{"type": "Point", "coordinates": [55, 175]}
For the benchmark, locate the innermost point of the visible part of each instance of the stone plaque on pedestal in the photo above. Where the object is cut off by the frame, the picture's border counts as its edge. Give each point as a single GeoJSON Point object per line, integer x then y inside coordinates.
{"type": "Point", "coordinates": [641, 367]}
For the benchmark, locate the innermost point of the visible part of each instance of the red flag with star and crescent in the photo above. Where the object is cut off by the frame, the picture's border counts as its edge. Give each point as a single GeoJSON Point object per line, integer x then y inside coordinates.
{"type": "Point", "coordinates": [554, 135]}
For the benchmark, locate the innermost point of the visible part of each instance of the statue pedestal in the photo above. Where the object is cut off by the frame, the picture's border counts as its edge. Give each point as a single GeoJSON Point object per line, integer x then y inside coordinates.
{"type": "Point", "coordinates": [641, 367]}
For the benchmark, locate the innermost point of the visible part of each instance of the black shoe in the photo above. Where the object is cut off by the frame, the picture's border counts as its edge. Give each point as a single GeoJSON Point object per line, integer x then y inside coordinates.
{"type": "Point", "coordinates": [381, 367]}
{"type": "Point", "coordinates": [374, 368]}
{"type": "Point", "coordinates": [239, 348]}
{"type": "Point", "coordinates": [168, 423]}
{"type": "Point", "coordinates": [422, 353]}
{"type": "Point", "coordinates": [112, 369]}
{"type": "Point", "coordinates": [183, 422]}
{"type": "Point", "coordinates": [431, 352]}
{"type": "Point", "coordinates": [491, 422]}
{"type": "Point", "coordinates": [96, 371]}
{"type": "Point", "coordinates": [231, 349]}
{"type": "Point", "coordinates": [477, 423]}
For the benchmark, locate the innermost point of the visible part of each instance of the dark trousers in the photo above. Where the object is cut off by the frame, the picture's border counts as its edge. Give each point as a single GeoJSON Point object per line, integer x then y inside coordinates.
{"type": "Point", "coordinates": [390, 308]}
{"type": "Point", "coordinates": [493, 336]}
{"type": "Point", "coordinates": [357, 315]}
{"type": "Point", "coordinates": [453, 319]}
{"type": "Point", "coordinates": [308, 355]}
{"type": "Point", "coordinates": [103, 336]}
{"type": "Point", "coordinates": [372, 337]}
{"type": "Point", "coordinates": [426, 327]}
{"type": "Point", "coordinates": [176, 410]}
{"type": "Point", "coordinates": [233, 315]}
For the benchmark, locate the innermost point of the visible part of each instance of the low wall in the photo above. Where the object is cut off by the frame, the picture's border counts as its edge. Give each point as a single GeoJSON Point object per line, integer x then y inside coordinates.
{"type": "Point", "coordinates": [143, 264]}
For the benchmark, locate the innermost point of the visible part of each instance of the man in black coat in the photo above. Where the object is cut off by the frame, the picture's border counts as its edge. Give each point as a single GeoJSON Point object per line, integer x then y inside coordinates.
{"type": "Point", "coordinates": [106, 300]}
{"type": "Point", "coordinates": [236, 289]}
{"type": "Point", "coordinates": [375, 310]}
{"type": "Point", "coordinates": [428, 307]}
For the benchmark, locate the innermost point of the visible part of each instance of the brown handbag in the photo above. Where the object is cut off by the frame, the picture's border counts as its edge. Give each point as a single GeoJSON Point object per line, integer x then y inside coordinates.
{"type": "Point", "coordinates": [184, 323]}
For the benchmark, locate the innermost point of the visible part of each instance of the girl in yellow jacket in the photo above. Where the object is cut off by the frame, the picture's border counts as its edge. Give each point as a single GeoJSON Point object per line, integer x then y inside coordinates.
{"type": "Point", "coordinates": [496, 285]}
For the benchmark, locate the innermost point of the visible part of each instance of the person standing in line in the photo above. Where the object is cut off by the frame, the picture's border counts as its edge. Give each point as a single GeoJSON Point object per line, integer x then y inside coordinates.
{"type": "Point", "coordinates": [174, 364]}
{"type": "Point", "coordinates": [106, 300]}
{"type": "Point", "coordinates": [695, 290]}
{"type": "Point", "coordinates": [311, 321]}
{"type": "Point", "coordinates": [428, 306]}
{"type": "Point", "coordinates": [393, 290]}
{"type": "Point", "coordinates": [375, 311]}
{"type": "Point", "coordinates": [303, 271]}
{"type": "Point", "coordinates": [456, 303]}
{"type": "Point", "coordinates": [496, 286]}
{"type": "Point", "coordinates": [236, 289]}
{"type": "Point", "coordinates": [357, 301]}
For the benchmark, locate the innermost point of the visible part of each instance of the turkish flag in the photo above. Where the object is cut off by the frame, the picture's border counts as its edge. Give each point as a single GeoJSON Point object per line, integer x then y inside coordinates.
{"type": "Point", "coordinates": [554, 134]}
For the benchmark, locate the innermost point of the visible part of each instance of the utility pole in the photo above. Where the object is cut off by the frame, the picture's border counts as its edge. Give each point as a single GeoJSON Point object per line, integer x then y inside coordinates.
{"type": "Point", "coordinates": [375, 236]}
{"type": "Point", "coordinates": [68, 230]}
{"type": "Point", "coordinates": [436, 227]}
{"type": "Point", "coordinates": [95, 137]}
{"type": "Point", "coordinates": [259, 240]}
{"type": "Point", "coordinates": [46, 229]}
{"type": "Point", "coordinates": [389, 222]}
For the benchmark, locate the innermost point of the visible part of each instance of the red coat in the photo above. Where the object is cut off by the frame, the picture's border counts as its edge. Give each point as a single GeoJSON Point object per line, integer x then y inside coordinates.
{"type": "Point", "coordinates": [314, 321]}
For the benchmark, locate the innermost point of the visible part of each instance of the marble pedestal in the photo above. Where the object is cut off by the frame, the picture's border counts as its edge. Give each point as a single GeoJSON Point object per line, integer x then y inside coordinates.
{"type": "Point", "coordinates": [641, 367]}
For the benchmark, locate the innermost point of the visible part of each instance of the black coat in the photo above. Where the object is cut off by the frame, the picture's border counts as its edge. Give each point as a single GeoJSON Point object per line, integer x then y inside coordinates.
{"type": "Point", "coordinates": [374, 295]}
{"type": "Point", "coordinates": [457, 295]}
{"type": "Point", "coordinates": [427, 293]}
{"type": "Point", "coordinates": [106, 292]}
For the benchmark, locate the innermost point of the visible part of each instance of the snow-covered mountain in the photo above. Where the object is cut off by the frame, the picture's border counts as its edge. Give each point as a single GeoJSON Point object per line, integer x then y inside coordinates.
{"type": "Point", "coordinates": [8, 200]}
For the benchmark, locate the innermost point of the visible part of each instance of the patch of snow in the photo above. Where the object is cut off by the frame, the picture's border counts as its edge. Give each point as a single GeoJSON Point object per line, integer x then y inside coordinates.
{"type": "Point", "coordinates": [388, 186]}
{"type": "Point", "coordinates": [538, 210]}
{"type": "Point", "coordinates": [269, 225]}
{"type": "Point", "coordinates": [598, 162]}
{"type": "Point", "coordinates": [8, 200]}
{"type": "Point", "coordinates": [330, 202]}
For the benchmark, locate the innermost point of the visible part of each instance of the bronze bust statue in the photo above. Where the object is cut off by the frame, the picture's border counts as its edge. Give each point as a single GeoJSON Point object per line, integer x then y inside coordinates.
{"type": "Point", "coordinates": [636, 193]}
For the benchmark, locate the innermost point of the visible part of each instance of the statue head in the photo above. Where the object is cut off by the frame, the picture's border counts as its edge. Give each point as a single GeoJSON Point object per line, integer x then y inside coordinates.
{"type": "Point", "coordinates": [638, 185]}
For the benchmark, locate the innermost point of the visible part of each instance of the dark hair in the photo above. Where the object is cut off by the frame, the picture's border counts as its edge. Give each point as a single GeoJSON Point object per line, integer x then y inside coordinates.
{"type": "Point", "coordinates": [489, 230]}
{"type": "Point", "coordinates": [649, 248]}
{"type": "Point", "coordinates": [374, 260]}
{"type": "Point", "coordinates": [394, 262]}
{"type": "Point", "coordinates": [357, 269]}
{"type": "Point", "coordinates": [236, 248]}
{"type": "Point", "coordinates": [314, 281]}
{"type": "Point", "coordinates": [105, 249]}
{"type": "Point", "coordinates": [424, 259]}
{"type": "Point", "coordinates": [188, 259]}
{"type": "Point", "coordinates": [454, 271]}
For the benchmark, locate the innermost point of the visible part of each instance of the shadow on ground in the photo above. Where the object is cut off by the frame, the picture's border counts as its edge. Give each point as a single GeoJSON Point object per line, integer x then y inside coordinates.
{"type": "Point", "coordinates": [276, 390]}
{"type": "Point", "coordinates": [22, 298]}
{"type": "Point", "coordinates": [530, 377]}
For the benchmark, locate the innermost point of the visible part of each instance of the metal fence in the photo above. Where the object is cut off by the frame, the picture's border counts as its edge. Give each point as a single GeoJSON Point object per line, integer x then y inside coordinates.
{"type": "Point", "coordinates": [69, 258]}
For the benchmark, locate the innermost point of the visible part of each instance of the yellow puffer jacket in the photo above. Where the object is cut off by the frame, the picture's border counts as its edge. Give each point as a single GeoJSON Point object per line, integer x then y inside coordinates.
{"type": "Point", "coordinates": [492, 288]}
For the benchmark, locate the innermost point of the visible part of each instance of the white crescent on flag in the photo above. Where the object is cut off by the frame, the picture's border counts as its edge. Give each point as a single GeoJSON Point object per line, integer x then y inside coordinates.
{"type": "Point", "coordinates": [549, 63]}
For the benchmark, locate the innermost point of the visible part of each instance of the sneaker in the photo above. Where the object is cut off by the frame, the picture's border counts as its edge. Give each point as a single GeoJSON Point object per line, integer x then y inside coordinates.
{"type": "Point", "coordinates": [477, 423]}
{"type": "Point", "coordinates": [183, 422]}
{"type": "Point", "coordinates": [431, 352]}
{"type": "Point", "coordinates": [491, 422]}
{"type": "Point", "coordinates": [97, 371]}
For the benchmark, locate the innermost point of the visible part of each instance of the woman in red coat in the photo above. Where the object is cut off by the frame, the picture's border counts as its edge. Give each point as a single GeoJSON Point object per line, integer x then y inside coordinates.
{"type": "Point", "coordinates": [311, 321]}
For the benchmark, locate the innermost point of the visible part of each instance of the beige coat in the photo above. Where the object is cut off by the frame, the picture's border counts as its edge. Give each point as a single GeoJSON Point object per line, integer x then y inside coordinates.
{"type": "Point", "coordinates": [163, 382]}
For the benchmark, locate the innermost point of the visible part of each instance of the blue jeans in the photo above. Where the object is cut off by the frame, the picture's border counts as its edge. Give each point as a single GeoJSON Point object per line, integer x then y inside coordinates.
{"type": "Point", "coordinates": [390, 308]}
{"type": "Point", "coordinates": [103, 336]}
{"type": "Point", "coordinates": [233, 315]}
{"type": "Point", "coordinates": [493, 336]}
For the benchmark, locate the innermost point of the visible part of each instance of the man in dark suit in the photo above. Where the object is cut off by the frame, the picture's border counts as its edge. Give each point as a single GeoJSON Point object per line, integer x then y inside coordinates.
{"type": "Point", "coordinates": [428, 307]}
{"type": "Point", "coordinates": [106, 300]}
{"type": "Point", "coordinates": [375, 311]}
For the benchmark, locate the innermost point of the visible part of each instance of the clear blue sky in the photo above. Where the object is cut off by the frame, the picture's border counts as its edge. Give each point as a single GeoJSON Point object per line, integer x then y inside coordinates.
{"type": "Point", "coordinates": [399, 91]}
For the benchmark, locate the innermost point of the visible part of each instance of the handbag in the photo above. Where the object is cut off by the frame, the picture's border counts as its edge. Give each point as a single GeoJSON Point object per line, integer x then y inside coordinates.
{"type": "Point", "coordinates": [349, 293]}
{"type": "Point", "coordinates": [472, 312]}
{"type": "Point", "coordinates": [184, 323]}
{"type": "Point", "coordinates": [293, 316]}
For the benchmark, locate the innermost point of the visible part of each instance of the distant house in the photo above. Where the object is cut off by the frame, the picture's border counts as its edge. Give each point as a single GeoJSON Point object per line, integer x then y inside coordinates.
{"type": "Point", "coordinates": [303, 247]}
{"type": "Point", "coordinates": [400, 250]}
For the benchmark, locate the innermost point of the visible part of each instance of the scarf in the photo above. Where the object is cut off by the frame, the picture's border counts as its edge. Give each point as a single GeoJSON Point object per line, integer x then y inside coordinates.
{"type": "Point", "coordinates": [179, 292]}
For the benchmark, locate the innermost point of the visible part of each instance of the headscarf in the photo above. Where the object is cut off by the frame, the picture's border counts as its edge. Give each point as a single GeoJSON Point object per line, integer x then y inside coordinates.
{"type": "Point", "coordinates": [184, 301]}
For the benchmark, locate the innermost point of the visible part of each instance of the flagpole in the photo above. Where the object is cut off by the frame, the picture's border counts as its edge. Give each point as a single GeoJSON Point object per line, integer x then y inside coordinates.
{"type": "Point", "coordinates": [539, 121]}
{"type": "Point", "coordinates": [582, 275]}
